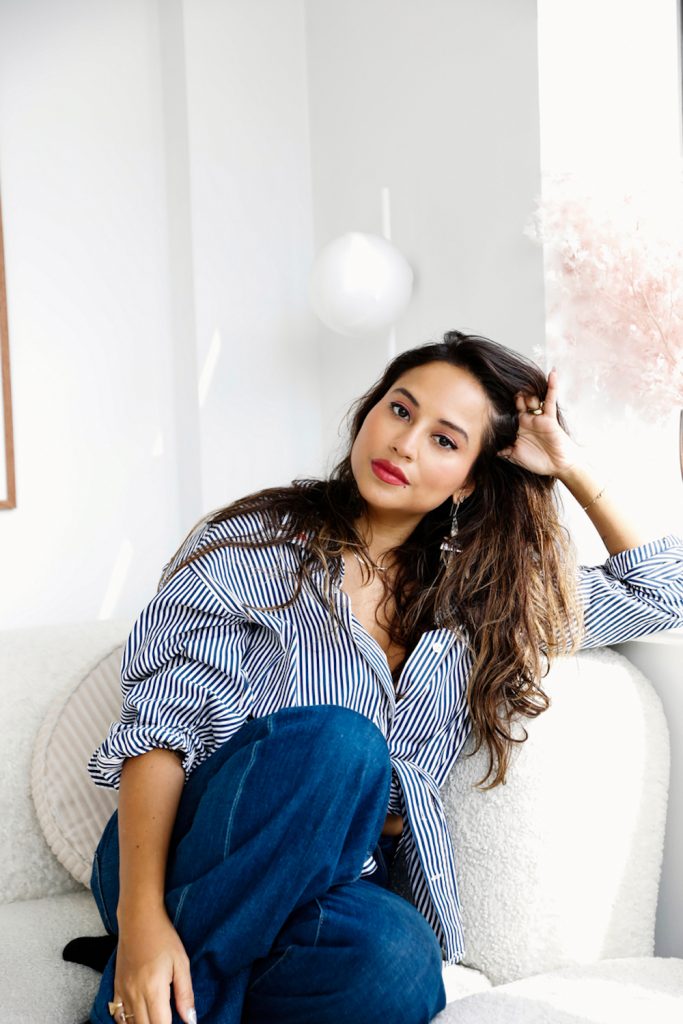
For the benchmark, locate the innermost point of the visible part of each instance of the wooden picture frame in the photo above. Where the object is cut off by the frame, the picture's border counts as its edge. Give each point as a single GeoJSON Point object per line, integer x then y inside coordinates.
{"type": "Point", "coordinates": [8, 493]}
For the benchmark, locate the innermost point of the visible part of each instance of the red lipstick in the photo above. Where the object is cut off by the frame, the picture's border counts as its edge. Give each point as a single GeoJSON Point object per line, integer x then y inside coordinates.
{"type": "Point", "coordinates": [389, 473]}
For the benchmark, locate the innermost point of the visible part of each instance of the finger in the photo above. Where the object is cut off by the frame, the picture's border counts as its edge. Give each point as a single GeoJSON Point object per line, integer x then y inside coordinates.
{"type": "Point", "coordinates": [114, 1001]}
{"type": "Point", "coordinates": [137, 1006]}
{"type": "Point", "coordinates": [156, 1010]}
{"type": "Point", "coordinates": [161, 1010]}
{"type": "Point", "coordinates": [184, 996]}
{"type": "Point", "coordinates": [520, 402]}
{"type": "Point", "coordinates": [550, 406]}
{"type": "Point", "coordinates": [117, 1006]}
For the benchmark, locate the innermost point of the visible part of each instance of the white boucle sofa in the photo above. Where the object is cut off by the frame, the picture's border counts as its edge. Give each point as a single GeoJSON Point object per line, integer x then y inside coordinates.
{"type": "Point", "coordinates": [558, 869]}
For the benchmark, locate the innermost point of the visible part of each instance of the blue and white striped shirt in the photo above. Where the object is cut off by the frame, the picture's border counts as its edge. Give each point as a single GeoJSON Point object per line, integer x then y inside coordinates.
{"type": "Point", "coordinates": [198, 662]}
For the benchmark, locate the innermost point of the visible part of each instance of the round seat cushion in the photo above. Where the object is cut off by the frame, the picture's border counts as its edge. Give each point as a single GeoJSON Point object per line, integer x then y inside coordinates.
{"type": "Point", "coordinates": [633, 990]}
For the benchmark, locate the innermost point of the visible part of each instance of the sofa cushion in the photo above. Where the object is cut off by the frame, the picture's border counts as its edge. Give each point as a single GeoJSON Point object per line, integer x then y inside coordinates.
{"type": "Point", "coordinates": [43, 987]}
{"type": "Point", "coordinates": [460, 981]}
{"type": "Point", "coordinates": [633, 990]}
{"type": "Point", "coordinates": [72, 811]}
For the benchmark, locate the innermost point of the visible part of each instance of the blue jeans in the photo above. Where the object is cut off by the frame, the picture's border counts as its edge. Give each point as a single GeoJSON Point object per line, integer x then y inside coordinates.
{"type": "Point", "coordinates": [263, 882]}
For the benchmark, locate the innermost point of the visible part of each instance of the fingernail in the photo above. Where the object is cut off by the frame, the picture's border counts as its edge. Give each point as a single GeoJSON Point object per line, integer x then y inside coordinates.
{"type": "Point", "coordinates": [192, 1016]}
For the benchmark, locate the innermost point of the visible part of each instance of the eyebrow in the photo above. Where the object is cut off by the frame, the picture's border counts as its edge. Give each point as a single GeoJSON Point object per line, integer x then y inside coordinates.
{"type": "Point", "coordinates": [445, 423]}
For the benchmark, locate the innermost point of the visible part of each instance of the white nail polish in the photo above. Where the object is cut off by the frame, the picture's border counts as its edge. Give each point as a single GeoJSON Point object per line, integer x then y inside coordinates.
{"type": "Point", "coordinates": [192, 1016]}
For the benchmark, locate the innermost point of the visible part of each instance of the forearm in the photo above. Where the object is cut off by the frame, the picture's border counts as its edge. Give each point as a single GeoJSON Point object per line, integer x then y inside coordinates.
{"type": "Point", "coordinates": [618, 533]}
{"type": "Point", "coordinates": [151, 786]}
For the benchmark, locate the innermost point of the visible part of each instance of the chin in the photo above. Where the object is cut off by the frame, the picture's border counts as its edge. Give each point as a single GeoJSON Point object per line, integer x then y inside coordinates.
{"type": "Point", "coordinates": [384, 497]}
{"type": "Point", "coordinates": [378, 498]}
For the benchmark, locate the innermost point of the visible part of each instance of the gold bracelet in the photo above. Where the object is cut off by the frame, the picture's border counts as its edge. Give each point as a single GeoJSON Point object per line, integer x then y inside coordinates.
{"type": "Point", "coordinates": [593, 500]}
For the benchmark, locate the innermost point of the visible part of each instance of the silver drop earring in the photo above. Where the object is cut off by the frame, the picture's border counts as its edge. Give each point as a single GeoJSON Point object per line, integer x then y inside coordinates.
{"type": "Point", "coordinates": [449, 545]}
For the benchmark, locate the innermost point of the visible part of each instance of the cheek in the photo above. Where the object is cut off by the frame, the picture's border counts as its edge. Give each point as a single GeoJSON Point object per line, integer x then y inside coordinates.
{"type": "Point", "coordinates": [359, 447]}
{"type": "Point", "coordinates": [367, 433]}
{"type": "Point", "coordinates": [441, 474]}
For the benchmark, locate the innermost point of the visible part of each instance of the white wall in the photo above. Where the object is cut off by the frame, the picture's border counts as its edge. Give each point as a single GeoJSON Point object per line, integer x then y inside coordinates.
{"type": "Point", "coordinates": [252, 244]}
{"type": "Point", "coordinates": [155, 185]}
{"type": "Point", "coordinates": [438, 102]}
{"type": "Point", "coordinates": [82, 178]}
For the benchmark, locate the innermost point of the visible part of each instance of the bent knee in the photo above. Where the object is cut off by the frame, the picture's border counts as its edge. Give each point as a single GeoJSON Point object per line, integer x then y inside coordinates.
{"type": "Point", "coordinates": [337, 734]}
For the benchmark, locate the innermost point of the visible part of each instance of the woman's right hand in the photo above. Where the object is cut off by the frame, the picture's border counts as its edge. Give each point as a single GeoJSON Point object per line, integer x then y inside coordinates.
{"type": "Point", "coordinates": [151, 958]}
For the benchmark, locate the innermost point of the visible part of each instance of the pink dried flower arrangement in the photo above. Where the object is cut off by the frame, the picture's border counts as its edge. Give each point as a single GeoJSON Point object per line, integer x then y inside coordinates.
{"type": "Point", "coordinates": [614, 289]}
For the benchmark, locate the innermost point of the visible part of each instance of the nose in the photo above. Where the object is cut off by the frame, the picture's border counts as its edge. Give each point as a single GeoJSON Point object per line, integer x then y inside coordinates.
{"type": "Point", "coordinates": [405, 444]}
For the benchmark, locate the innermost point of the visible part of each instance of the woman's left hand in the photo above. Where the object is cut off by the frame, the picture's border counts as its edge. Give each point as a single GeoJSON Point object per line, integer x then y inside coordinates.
{"type": "Point", "coordinates": [541, 445]}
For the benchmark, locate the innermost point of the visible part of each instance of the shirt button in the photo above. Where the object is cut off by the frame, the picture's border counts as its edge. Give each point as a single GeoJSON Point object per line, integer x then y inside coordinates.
{"type": "Point", "coordinates": [437, 646]}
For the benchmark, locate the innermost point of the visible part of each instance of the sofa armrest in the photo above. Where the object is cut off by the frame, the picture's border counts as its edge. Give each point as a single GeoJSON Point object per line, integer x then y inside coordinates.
{"type": "Point", "coordinates": [37, 664]}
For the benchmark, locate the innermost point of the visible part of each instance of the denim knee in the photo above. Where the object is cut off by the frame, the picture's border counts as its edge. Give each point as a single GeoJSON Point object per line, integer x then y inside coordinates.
{"type": "Point", "coordinates": [336, 734]}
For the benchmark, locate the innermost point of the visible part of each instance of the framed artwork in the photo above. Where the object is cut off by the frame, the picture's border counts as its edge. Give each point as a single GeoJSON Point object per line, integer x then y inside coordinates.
{"type": "Point", "coordinates": [8, 497]}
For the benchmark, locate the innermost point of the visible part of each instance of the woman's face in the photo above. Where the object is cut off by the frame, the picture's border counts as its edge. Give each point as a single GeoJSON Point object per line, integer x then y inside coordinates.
{"type": "Point", "coordinates": [417, 446]}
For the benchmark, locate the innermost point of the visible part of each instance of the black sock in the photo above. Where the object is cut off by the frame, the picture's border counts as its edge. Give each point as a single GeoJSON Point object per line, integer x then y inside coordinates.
{"type": "Point", "coordinates": [93, 951]}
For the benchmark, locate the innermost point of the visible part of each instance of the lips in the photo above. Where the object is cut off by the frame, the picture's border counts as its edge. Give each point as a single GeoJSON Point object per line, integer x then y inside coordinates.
{"type": "Point", "coordinates": [389, 473]}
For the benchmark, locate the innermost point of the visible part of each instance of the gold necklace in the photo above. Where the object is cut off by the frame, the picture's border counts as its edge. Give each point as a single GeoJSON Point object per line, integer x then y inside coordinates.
{"type": "Point", "coordinates": [379, 568]}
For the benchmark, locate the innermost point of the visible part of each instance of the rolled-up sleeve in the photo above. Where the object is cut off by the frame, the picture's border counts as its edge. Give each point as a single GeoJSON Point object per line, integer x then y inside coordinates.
{"type": "Point", "coordinates": [636, 592]}
{"type": "Point", "coordinates": [181, 678]}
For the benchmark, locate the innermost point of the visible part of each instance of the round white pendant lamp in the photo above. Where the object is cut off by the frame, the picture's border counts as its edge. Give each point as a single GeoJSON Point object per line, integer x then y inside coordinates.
{"type": "Point", "coordinates": [360, 284]}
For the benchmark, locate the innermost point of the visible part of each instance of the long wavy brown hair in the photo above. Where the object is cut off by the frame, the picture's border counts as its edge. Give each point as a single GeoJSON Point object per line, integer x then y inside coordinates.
{"type": "Point", "coordinates": [509, 593]}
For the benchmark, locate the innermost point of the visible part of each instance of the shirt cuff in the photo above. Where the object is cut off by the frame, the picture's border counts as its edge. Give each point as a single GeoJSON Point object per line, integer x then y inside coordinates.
{"type": "Point", "coordinates": [620, 565]}
{"type": "Point", "coordinates": [125, 741]}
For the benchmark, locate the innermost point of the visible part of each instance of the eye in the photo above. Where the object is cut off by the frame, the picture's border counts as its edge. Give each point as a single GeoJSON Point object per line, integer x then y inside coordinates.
{"type": "Point", "coordinates": [398, 410]}
{"type": "Point", "coordinates": [393, 406]}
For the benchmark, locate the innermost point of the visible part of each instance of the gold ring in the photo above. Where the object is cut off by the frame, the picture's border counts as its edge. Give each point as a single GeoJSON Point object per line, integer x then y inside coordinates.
{"type": "Point", "coordinates": [113, 1007]}
{"type": "Point", "coordinates": [535, 412]}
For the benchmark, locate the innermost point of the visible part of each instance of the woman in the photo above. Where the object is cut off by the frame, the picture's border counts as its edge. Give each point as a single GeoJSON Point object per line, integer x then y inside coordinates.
{"type": "Point", "coordinates": [307, 674]}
